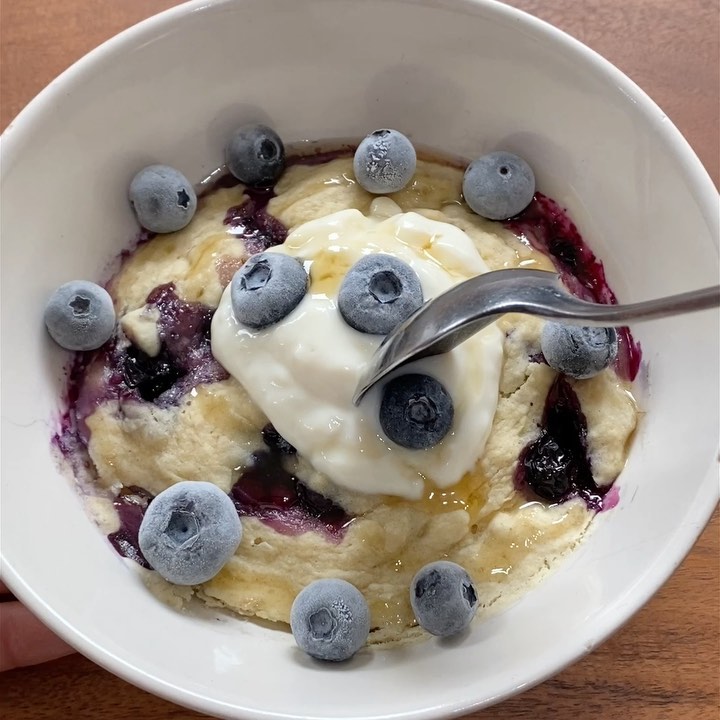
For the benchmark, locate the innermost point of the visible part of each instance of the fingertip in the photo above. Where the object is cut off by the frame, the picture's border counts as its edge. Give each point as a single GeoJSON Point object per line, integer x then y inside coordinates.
{"type": "Point", "coordinates": [24, 640]}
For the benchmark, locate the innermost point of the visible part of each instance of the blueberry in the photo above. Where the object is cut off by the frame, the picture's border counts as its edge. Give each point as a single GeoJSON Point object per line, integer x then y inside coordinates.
{"type": "Point", "coordinates": [151, 376]}
{"type": "Point", "coordinates": [163, 199]}
{"type": "Point", "coordinates": [189, 532]}
{"type": "Point", "coordinates": [443, 598]}
{"type": "Point", "coordinates": [499, 185]}
{"type": "Point", "coordinates": [579, 352]}
{"type": "Point", "coordinates": [384, 162]}
{"type": "Point", "coordinates": [330, 620]}
{"type": "Point", "coordinates": [416, 411]}
{"type": "Point", "coordinates": [80, 315]}
{"type": "Point", "coordinates": [549, 470]}
{"type": "Point", "coordinates": [378, 293]}
{"type": "Point", "coordinates": [276, 442]}
{"type": "Point", "coordinates": [255, 155]}
{"type": "Point", "coordinates": [267, 288]}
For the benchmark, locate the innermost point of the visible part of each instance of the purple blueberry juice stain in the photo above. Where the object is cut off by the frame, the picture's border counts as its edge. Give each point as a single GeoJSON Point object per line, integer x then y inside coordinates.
{"type": "Point", "coordinates": [251, 222]}
{"type": "Point", "coordinates": [548, 229]}
{"type": "Point", "coordinates": [556, 466]}
{"type": "Point", "coordinates": [268, 491]}
{"type": "Point", "coordinates": [184, 330]}
{"type": "Point", "coordinates": [70, 438]}
{"type": "Point", "coordinates": [319, 156]}
{"type": "Point", "coordinates": [130, 505]}
{"type": "Point", "coordinates": [125, 373]}
{"type": "Point", "coordinates": [611, 498]}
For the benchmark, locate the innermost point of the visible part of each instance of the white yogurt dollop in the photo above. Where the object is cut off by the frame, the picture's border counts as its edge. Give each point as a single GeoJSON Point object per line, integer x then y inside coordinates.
{"type": "Point", "coordinates": [302, 372]}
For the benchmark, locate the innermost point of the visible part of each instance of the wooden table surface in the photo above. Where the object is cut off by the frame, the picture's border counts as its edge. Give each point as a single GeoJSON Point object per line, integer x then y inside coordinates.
{"type": "Point", "coordinates": [663, 665]}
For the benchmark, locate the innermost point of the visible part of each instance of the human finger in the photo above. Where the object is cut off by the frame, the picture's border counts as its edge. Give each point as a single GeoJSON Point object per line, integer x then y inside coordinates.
{"type": "Point", "coordinates": [24, 640]}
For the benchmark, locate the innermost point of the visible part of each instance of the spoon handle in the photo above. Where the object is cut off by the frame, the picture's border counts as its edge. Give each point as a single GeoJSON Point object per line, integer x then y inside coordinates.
{"type": "Point", "coordinates": [568, 308]}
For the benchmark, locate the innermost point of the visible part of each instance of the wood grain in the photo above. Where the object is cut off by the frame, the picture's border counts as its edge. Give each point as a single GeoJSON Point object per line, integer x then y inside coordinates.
{"type": "Point", "coordinates": [664, 665]}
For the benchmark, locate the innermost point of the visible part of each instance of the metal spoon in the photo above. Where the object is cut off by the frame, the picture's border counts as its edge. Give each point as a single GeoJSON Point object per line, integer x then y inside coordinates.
{"type": "Point", "coordinates": [451, 318]}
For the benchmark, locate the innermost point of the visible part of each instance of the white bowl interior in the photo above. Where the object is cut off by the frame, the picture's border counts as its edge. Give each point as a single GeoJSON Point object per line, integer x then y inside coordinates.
{"type": "Point", "coordinates": [461, 76]}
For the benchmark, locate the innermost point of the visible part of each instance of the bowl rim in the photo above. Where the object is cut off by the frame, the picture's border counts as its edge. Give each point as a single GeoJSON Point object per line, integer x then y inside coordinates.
{"type": "Point", "coordinates": [684, 536]}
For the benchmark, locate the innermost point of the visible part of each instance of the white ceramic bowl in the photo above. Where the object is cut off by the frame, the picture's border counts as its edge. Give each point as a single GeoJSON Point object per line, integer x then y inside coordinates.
{"type": "Point", "coordinates": [461, 75]}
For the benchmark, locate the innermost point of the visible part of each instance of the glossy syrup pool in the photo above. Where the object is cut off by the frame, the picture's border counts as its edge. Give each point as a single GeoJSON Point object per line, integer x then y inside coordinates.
{"type": "Point", "coordinates": [267, 488]}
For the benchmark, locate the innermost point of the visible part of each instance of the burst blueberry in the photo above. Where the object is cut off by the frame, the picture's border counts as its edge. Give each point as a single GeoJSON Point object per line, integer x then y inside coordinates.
{"type": "Point", "coordinates": [548, 469]}
{"type": "Point", "coordinates": [267, 288]}
{"type": "Point", "coordinates": [163, 199]}
{"type": "Point", "coordinates": [498, 186]}
{"type": "Point", "coordinates": [579, 352]}
{"type": "Point", "coordinates": [378, 293]}
{"type": "Point", "coordinates": [80, 316]}
{"type": "Point", "coordinates": [276, 442]}
{"type": "Point", "coordinates": [330, 620]}
{"type": "Point", "coordinates": [189, 532]}
{"type": "Point", "coordinates": [255, 155]}
{"type": "Point", "coordinates": [443, 598]}
{"type": "Point", "coordinates": [150, 376]}
{"type": "Point", "coordinates": [416, 411]}
{"type": "Point", "coordinates": [384, 162]}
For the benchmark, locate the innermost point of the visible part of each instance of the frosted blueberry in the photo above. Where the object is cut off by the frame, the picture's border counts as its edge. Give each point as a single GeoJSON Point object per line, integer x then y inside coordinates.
{"type": "Point", "coordinates": [384, 162]}
{"type": "Point", "coordinates": [189, 532]}
{"type": "Point", "coordinates": [443, 598]}
{"type": "Point", "coordinates": [163, 199]}
{"type": "Point", "coordinates": [80, 315]}
{"type": "Point", "coordinates": [580, 352]}
{"type": "Point", "coordinates": [416, 411]}
{"type": "Point", "coordinates": [267, 288]}
{"type": "Point", "coordinates": [499, 185]}
{"type": "Point", "coordinates": [330, 620]}
{"type": "Point", "coordinates": [378, 293]}
{"type": "Point", "coordinates": [255, 155]}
